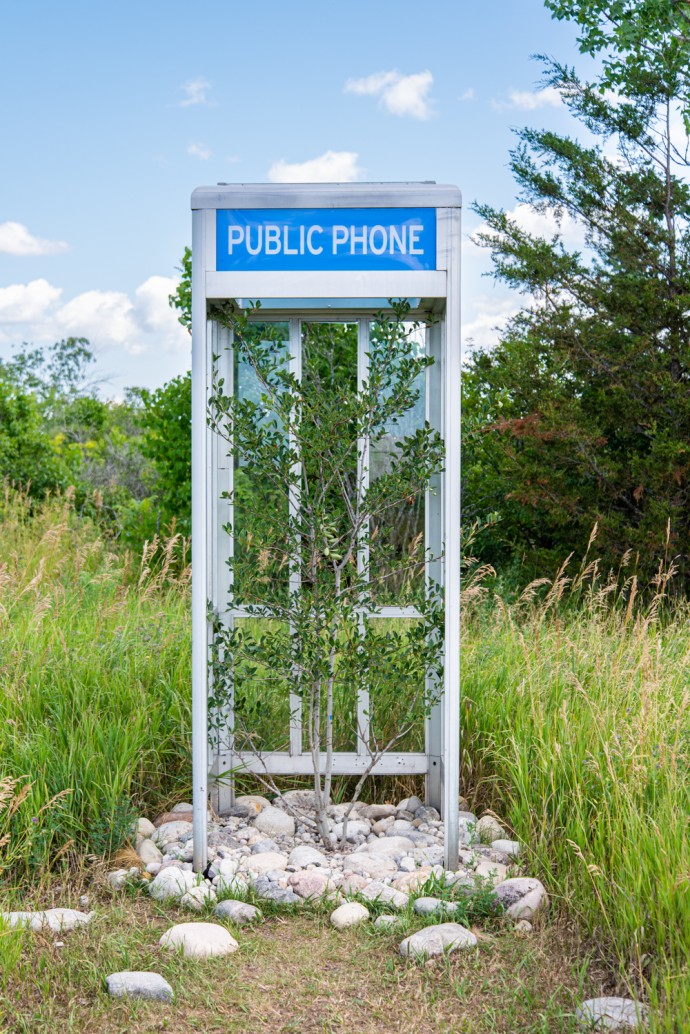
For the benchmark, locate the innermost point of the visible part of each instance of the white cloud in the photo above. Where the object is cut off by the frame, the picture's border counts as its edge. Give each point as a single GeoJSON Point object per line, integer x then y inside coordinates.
{"type": "Point", "coordinates": [398, 94]}
{"type": "Point", "coordinates": [532, 100]}
{"type": "Point", "coordinates": [467, 95]}
{"type": "Point", "coordinates": [330, 167]}
{"type": "Point", "coordinates": [195, 92]}
{"type": "Point", "coordinates": [200, 151]}
{"type": "Point", "coordinates": [21, 303]}
{"type": "Point", "coordinates": [144, 322]}
{"type": "Point", "coordinates": [490, 316]}
{"type": "Point", "coordinates": [543, 224]}
{"type": "Point", "coordinates": [15, 239]}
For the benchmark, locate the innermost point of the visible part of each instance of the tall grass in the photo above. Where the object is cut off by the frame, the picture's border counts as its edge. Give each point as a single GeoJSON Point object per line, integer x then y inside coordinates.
{"type": "Point", "coordinates": [576, 714]}
{"type": "Point", "coordinates": [94, 683]}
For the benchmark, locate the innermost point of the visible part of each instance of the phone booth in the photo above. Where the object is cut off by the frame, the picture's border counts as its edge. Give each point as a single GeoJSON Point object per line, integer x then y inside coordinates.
{"type": "Point", "coordinates": [325, 259]}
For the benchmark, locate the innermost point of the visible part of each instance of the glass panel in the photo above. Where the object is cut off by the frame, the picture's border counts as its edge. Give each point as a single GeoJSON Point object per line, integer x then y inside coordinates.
{"type": "Point", "coordinates": [396, 648]}
{"type": "Point", "coordinates": [397, 533]}
{"type": "Point", "coordinates": [261, 664]}
{"type": "Point", "coordinates": [261, 561]}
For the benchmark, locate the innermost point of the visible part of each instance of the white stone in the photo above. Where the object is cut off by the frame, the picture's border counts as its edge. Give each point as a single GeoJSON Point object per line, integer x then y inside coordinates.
{"type": "Point", "coordinates": [266, 862]}
{"type": "Point", "coordinates": [382, 826]}
{"type": "Point", "coordinates": [410, 804]}
{"type": "Point", "coordinates": [172, 882]}
{"type": "Point", "coordinates": [389, 845]}
{"type": "Point", "coordinates": [138, 984]}
{"type": "Point", "coordinates": [522, 897]}
{"type": "Point", "coordinates": [488, 829]}
{"type": "Point", "coordinates": [238, 912]}
{"type": "Point", "coordinates": [509, 847]}
{"type": "Point", "coordinates": [437, 940]}
{"type": "Point", "coordinates": [427, 906]}
{"type": "Point", "coordinates": [494, 871]}
{"type": "Point", "coordinates": [227, 866]}
{"type": "Point", "coordinates": [59, 920]}
{"type": "Point", "coordinates": [199, 940]}
{"type": "Point", "coordinates": [236, 884]}
{"type": "Point", "coordinates": [274, 822]}
{"type": "Point", "coordinates": [384, 922]}
{"type": "Point", "coordinates": [376, 891]}
{"type": "Point", "coordinates": [407, 864]}
{"type": "Point", "coordinates": [169, 832]}
{"type": "Point", "coordinates": [304, 855]}
{"type": "Point", "coordinates": [372, 865]}
{"type": "Point", "coordinates": [197, 897]}
{"type": "Point", "coordinates": [374, 812]}
{"type": "Point", "coordinates": [523, 926]}
{"type": "Point", "coordinates": [349, 914]}
{"type": "Point", "coordinates": [355, 828]}
{"type": "Point", "coordinates": [117, 879]}
{"type": "Point", "coordinates": [145, 828]}
{"type": "Point", "coordinates": [183, 806]}
{"type": "Point", "coordinates": [148, 852]}
{"type": "Point", "coordinates": [253, 802]}
{"type": "Point", "coordinates": [612, 1013]}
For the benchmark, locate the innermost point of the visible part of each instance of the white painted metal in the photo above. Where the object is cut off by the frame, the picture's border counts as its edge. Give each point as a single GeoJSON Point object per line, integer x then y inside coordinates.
{"type": "Point", "coordinates": [363, 460]}
{"type": "Point", "coordinates": [439, 293]}
{"type": "Point", "coordinates": [295, 576]}
{"type": "Point", "coordinates": [200, 474]}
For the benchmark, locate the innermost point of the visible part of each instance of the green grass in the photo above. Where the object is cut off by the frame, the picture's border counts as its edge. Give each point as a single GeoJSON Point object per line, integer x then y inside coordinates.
{"type": "Point", "coordinates": [575, 719]}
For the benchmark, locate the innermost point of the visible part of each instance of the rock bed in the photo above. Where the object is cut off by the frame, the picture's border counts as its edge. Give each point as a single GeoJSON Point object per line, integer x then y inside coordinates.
{"type": "Point", "coordinates": [392, 853]}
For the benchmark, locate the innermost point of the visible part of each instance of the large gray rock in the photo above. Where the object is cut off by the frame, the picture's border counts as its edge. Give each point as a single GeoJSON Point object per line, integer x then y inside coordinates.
{"type": "Point", "coordinates": [148, 852]}
{"type": "Point", "coordinates": [374, 865]}
{"type": "Point", "coordinates": [374, 812]}
{"type": "Point", "coordinates": [437, 940]}
{"type": "Point", "coordinates": [389, 846]}
{"type": "Point", "coordinates": [172, 883]}
{"type": "Point", "coordinates": [274, 822]}
{"type": "Point", "coordinates": [138, 984]}
{"type": "Point", "coordinates": [376, 891]}
{"type": "Point", "coordinates": [428, 906]}
{"type": "Point", "coordinates": [144, 828]}
{"type": "Point", "coordinates": [238, 912]}
{"type": "Point", "coordinates": [349, 914]}
{"type": "Point", "coordinates": [170, 832]}
{"type": "Point", "coordinates": [355, 828]}
{"type": "Point", "coordinates": [509, 847]}
{"type": "Point", "coordinates": [310, 884]}
{"type": "Point", "coordinates": [488, 829]}
{"type": "Point", "coordinates": [304, 855]}
{"type": "Point", "coordinates": [59, 920]}
{"type": "Point", "coordinates": [199, 940]}
{"type": "Point", "coordinates": [268, 891]}
{"type": "Point", "coordinates": [612, 1014]}
{"type": "Point", "coordinates": [198, 897]}
{"type": "Point", "coordinates": [522, 897]}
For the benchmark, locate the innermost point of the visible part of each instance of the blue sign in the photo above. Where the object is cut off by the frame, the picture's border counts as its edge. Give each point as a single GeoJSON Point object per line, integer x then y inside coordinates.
{"type": "Point", "coordinates": [326, 238]}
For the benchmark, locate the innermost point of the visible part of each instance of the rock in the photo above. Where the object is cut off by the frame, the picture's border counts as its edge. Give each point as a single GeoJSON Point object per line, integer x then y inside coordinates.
{"type": "Point", "coordinates": [522, 897]}
{"type": "Point", "coordinates": [384, 922]}
{"type": "Point", "coordinates": [199, 940]}
{"type": "Point", "coordinates": [410, 804]}
{"type": "Point", "coordinates": [238, 912]}
{"type": "Point", "coordinates": [388, 895]}
{"type": "Point", "coordinates": [236, 884]}
{"type": "Point", "coordinates": [355, 828]}
{"type": "Point", "coordinates": [309, 884]}
{"type": "Point", "coordinates": [427, 814]}
{"type": "Point", "coordinates": [169, 832]}
{"type": "Point", "coordinates": [383, 825]}
{"type": "Point", "coordinates": [172, 882]}
{"type": "Point", "coordinates": [227, 866]}
{"type": "Point", "coordinates": [353, 884]}
{"type": "Point", "coordinates": [154, 868]}
{"type": "Point", "coordinates": [59, 920]}
{"type": "Point", "coordinates": [437, 940]}
{"type": "Point", "coordinates": [144, 828]}
{"type": "Point", "coordinates": [268, 891]}
{"type": "Point", "coordinates": [197, 897]}
{"type": "Point", "coordinates": [172, 816]}
{"type": "Point", "coordinates": [509, 847]}
{"type": "Point", "coordinates": [148, 852]}
{"type": "Point", "coordinates": [262, 846]}
{"type": "Point", "coordinates": [407, 864]}
{"type": "Point", "coordinates": [119, 878]}
{"type": "Point", "coordinates": [302, 800]}
{"type": "Point", "coordinates": [183, 806]}
{"type": "Point", "coordinates": [304, 855]}
{"type": "Point", "coordinates": [493, 871]}
{"type": "Point", "coordinates": [372, 865]}
{"type": "Point", "coordinates": [488, 829]}
{"type": "Point", "coordinates": [410, 881]}
{"type": "Point", "coordinates": [612, 1013]}
{"type": "Point", "coordinates": [253, 803]}
{"type": "Point", "coordinates": [523, 926]}
{"type": "Point", "coordinates": [349, 914]}
{"type": "Point", "coordinates": [274, 822]}
{"type": "Point", "coordinates": [374, 812]}
{"type": "Point", "coordinates": [135, 984]}
{"type": "Point", "coordinates": [427, 906]}
{"type": "Point", "coordinates": [389, 845]}
{"type": "Point", "coordinates": [268, 862]}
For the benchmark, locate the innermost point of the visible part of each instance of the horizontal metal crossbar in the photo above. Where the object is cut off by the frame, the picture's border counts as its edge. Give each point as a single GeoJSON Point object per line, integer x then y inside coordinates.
{"type": "Point", "coordinates": [279, 763]}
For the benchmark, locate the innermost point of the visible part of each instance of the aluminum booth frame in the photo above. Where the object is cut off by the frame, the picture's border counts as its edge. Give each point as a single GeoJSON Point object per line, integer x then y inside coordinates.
{"type": "Point", "coordinates": [359, 284]}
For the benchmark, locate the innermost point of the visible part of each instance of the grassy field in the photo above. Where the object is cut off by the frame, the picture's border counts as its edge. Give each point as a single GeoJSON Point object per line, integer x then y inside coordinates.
{"type": "Point", "coordinates": [576, 730]}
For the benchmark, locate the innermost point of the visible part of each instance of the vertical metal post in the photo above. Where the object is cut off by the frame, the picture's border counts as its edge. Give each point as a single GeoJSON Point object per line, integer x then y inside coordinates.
{"type": "Point", "coordinates": [199, 546]}
{"type": "Point", "coordinates": [433, 541]}
{"type": "Point", "coordinates": [363, 461]}
{"type": "Point", "coordinates": [295, 367]}
{"type": "Point", "coordinates": [451, 537]}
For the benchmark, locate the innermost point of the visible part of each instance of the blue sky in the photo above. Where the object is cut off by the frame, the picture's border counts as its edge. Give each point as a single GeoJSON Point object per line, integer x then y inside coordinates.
{"type": "Point", "coordinates": [112, 114]}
